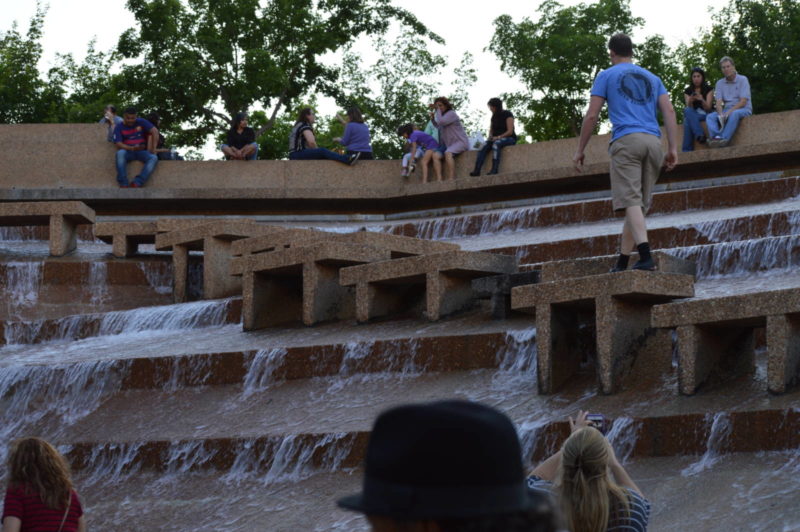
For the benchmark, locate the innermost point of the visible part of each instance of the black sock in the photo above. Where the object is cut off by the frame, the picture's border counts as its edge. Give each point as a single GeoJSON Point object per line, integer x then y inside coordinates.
{"type": "Point", "coordinates": [644, 251]}
{"type": "Point", "coordinates": [622, 261]}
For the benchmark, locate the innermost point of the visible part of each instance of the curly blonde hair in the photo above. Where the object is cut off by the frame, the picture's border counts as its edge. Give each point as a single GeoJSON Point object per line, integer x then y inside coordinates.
{"type": "Point", "coordinates": [37, 466]}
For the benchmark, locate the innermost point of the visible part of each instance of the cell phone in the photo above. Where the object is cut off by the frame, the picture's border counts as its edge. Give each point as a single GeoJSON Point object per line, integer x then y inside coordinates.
{"type": "Point", "coordinates": [599, 422]}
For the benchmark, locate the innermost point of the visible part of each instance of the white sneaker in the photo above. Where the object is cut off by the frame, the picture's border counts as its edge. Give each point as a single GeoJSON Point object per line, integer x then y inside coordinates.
{"type": "Point", "coordinates": [721, 122]}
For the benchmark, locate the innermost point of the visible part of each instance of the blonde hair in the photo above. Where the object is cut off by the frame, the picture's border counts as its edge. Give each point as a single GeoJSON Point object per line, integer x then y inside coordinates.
{"type": "Point", "coordinates": [35, 465]}
{"type": "Point", "coordinates": [587, 494]}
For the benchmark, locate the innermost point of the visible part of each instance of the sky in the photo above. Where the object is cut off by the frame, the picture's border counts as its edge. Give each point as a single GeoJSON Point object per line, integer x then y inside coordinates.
{"type": "Point", "coordinates": [466, 25]}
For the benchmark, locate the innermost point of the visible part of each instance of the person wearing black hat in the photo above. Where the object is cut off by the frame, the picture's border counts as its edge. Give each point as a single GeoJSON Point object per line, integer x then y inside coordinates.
{"type": "Point", "coordinates": [448, 466]}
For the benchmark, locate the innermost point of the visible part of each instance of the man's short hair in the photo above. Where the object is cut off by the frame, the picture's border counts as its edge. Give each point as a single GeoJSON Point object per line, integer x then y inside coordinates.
{"type": "Point", "coordinates": [130, 111]}
{"type": "Point", "coordinates": [621, 45]}
{"type": "Point", "coordinates": [726, 59]}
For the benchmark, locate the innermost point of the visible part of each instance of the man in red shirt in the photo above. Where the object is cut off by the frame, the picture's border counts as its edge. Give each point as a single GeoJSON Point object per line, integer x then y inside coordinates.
{"type": "Point", "coordinates": [131, 138]}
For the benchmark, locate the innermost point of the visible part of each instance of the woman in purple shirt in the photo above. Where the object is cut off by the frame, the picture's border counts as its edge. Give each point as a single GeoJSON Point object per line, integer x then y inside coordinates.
{"type": "Point", "coordinates": [356, 135]}
{"type": "Point", "coordinates": [451, 133]}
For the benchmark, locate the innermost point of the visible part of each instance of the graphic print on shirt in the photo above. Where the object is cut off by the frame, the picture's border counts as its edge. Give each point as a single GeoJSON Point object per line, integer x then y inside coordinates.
{"type": "Point", "coordinates": [635, 87]}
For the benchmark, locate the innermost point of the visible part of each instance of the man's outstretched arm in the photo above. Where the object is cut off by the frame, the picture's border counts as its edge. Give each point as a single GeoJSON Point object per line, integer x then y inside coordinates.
{"type": "Point", "coordinates": [589, 123]}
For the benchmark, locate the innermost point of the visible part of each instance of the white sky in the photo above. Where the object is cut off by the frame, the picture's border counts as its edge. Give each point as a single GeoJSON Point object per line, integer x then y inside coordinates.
{"type": "Point", "coordinates": [466, 25]}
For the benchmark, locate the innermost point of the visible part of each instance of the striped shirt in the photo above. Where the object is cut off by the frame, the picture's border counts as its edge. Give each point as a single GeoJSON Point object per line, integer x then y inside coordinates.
{"type": "Point", "coordinates": [132, 135]}
{"type": "Point", "coordinates": [619, 521]}
{"type": "Point", "coordinates": [35, 515]}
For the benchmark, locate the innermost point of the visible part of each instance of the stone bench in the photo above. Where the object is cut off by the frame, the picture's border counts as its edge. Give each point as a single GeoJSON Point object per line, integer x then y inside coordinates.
{"type": "Point", "coordinates": [63, 218]}
{"type": "Point", "coordinates": [497, 289]}
{"type": "Point", "coordinates": [398, 246]}
{"type": "Point", "coordinates": [301, 284]}
{"type": "Point", "coordinates": [214, 239]}
{"type": "Point", "coordinates": [386, 287]}
{"type": "Point", "coordinates": [571, 269]}
{"type": "Point", "coordinates": [126, 236]}
{"type": "Point", "coordinates": [617, 305]}
{"type": "Point", "coordinates": [716, 336]}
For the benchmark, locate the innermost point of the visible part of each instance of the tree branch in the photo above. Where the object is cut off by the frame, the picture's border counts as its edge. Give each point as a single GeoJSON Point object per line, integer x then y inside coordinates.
{"type": "Point", "coordinates": [221, 116]}
{"type": "Point", "coordinates": [271, 121]}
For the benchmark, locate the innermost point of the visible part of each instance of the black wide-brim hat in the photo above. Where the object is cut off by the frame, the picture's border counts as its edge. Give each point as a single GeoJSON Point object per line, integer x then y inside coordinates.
{"type": "Point", "coordinates": [442, 460]}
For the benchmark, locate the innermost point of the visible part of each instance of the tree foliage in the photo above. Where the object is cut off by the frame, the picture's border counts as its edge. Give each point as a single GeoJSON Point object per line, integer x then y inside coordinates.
{"type": "Point", "coordinates": [202, 61]}
{"type": "Point", "coordinates": [25, 96]}
{"type": "Point", "coordinates": [763, 38]}
{"type": "Point", "coordinates": [396, 90]}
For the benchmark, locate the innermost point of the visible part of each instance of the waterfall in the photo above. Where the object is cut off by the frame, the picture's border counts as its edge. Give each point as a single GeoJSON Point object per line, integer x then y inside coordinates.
{"type": "Point", "coordinates": [743, 257]}
{"type": "Point", "coordinates": [623, 435]}
{"type": "Point", "coordinates": [158, 274]}
{"type": "Point", "coordinates": [22, 283]}
{"type": "Point", "coordinates": [717, 439]}
{"type": "Point", "coordinates": [261, 369]}
{"type": "Point", "coordinates": [98, 282]}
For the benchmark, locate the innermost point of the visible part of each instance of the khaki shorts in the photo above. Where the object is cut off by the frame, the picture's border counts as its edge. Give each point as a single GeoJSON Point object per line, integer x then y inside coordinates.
{"type": "Point", "coordinates": [636, 161]}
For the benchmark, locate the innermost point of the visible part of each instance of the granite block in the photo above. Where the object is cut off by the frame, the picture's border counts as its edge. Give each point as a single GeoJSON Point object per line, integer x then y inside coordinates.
{"type": "Point", "coordinates": [618, 307]}
{"type": "Point", "coordinates": [62, 217]}
{"type": "Point", "coordinates": [125, 237]}
{"type": "Point", "coordinates": [400, 246]}
{"type": "Point", "coordinates": [276, 237]}
{"type": "Point", "coordinates": [706, 328]}
{"type": "Point", "coordinates": [302, 283]}
{"type": "Point", "coordinates": [384, 287]}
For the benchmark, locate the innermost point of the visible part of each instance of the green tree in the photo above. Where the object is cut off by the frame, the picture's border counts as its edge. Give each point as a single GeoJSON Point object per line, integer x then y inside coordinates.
{"type": "Point", "coordinates": [206, 60]}
{"type": "Point", "coordinates": [24, 95]}
{"type": "Point", "coordinates": [763, 38]}
{"type": "Point", "coordinates": [558, 56]}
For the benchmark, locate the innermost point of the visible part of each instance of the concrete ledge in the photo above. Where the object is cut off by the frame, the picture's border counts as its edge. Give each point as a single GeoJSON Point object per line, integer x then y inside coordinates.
{"type": "Point", "coordinates": [616, 305]}
{"type": "Point", "coordinates": [63, 218]}
{"type": "Point", "coordinates": [571, 269]}
{"type": "Point", "coordinates": [715, 336]}
{"type": "Point", "coordinates": [69, 167]}
{"type": "Point", "coordinates": [214, 239]}
{"type": "Point", "coordinates": [302, 283]}
{"type": "Point", "coordinates": [384, 288]}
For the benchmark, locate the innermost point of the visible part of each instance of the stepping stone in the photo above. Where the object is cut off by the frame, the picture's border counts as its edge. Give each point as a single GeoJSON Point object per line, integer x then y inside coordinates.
{"type": "Point", "coordinates": [63, 217]}
{"type": "Point", "coordinates": [716, 335]}
{"type": "Point", "coordinates": [214, 239]}
{"type": "Point", "coordinates": [497, 289]}
{"type": "Point", "coordinates": [571, 269]}
{"type": "Point", "coordinates": [302, 283]}
{"type": "Point", "coordinates": [619, 303]}
{"type": "Point", "coordinates": [277, 239]}
{"type": "Point", "coordinates": [125, 237]}
{"type": "Point", "coordinates": [384, 288]}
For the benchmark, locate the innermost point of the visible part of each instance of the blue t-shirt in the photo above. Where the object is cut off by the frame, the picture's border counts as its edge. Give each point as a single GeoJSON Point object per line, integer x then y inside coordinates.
{"type": "Point", "coordinates": [423, 140]}
{"type": "Point", "coordinates": [632, 95]}
{"type": "Point", "coordinates": [133, 135]}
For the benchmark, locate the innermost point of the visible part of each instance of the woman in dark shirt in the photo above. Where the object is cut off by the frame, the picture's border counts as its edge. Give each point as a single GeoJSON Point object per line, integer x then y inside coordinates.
{"type": "Point", "coordinates": [241, 143]}
{"type": "Point", "coordinates": [698, 96]}
{"type": "Point", "coordinates": [501, 134]}
{"type": "Point", "coordinates": [40, 497]}
{"type": "Point", "coordinates": [303, 143]}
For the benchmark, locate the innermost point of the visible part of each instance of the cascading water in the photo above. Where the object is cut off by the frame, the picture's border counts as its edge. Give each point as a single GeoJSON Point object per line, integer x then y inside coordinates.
{"type": "Point", "coordinates": [194, 315]}
{"type": "Point", "coordinates": [22, 284]}
{"type": "Point", "coordinates": [622, 435]}
{"type": "Point", "coordinates": [743, 257]}
{"type": "Point", "coordinates": [718, 435]}
{"type": "Point", "coordinates": [158, 274]}
{"type": "Point", "coordinates": [98, 282]}
{"type": "Point", "coordinates": [261, 370]}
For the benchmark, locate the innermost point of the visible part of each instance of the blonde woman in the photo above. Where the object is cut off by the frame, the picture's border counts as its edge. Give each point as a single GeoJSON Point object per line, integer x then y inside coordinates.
{"type": "Point", "coordinates": [592, 488]}
{"type": "Point", "coordinates": [40, 495]}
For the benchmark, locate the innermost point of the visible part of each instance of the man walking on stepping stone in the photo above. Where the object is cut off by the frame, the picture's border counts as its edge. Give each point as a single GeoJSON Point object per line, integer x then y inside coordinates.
{"type": "Point", "coordinates": [633, 95]}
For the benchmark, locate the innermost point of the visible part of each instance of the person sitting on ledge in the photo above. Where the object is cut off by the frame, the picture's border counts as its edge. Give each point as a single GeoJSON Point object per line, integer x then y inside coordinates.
{"type": "Point", "coordinates": [429, 147]}
{"type": "Point", "coordinates": [698, 96]}
{"type": "Point", "coordinates": [452, 137]}
{"type": "Point", "coordinates": [356, 135]}
{"type": "Point", "coordinates": [589, 497]}
{"type": "Point", "coordinates": [303, 144]}
{"type": "Point", "coordinates": [110, 119]}
{"type": "Point", "coordinates": [448, 466]}
{"type": "Point", "coordinates": [130, 138]}
{"type": "Point", "coordinates": [501, 134]}
{"type": "Point", "coordinates": [158, 146]}
{"type": "Point", "coordinates": [241, 143]}
{"type": "Point", "coordinates": [733, 103]}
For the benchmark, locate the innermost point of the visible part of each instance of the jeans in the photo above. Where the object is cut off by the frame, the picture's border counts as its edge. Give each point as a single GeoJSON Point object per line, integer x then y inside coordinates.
{"type": "Point", "coordinates": [125, 156]}
{"type": "Point", "coordinates": [252, 157]}
{"type": "Point", "coordinates": [365, 155]}
{"type": "Point", "coordinates": [495, 147]}
{"type": "Point", "coordinates": [407, 157]}
{"type": "Point", "coordinates": [691, 126]}
{"type": "Point", "coordinates": [730, 124]}
{"type": "Point", "coordinates": [318, 153]}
